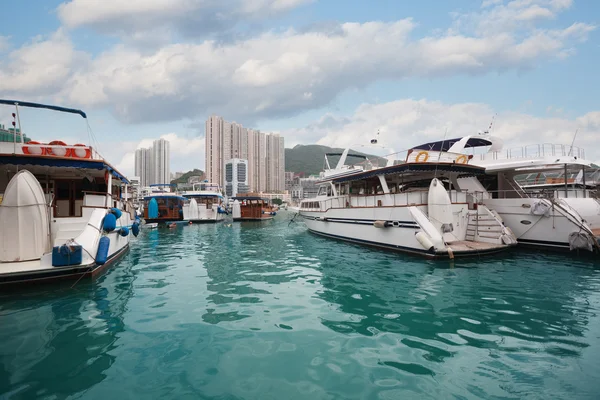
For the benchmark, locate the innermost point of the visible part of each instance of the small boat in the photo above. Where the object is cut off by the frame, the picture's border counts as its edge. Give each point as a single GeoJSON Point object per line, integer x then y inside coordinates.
{"type": "Point", "coordinates": [205, 203]}
{"type": "Point", "coordinates": [252, 207]}
{"type": "Point", "coordinates": [151, 225]}
{"type": "Point", "coordinates": [162, 206]}
{"type": "Point", "coordinates": [64, 211]}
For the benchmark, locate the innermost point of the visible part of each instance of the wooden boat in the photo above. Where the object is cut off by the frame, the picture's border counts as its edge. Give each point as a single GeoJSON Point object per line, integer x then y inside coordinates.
{"type": "Point", "coordinates": [252, 207]}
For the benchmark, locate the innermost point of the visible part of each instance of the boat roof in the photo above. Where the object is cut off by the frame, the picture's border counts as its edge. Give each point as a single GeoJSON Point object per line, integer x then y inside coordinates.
{"type": "Point", "coordinates": [412, 169]}
{"type": "Point", "coordinates": [203, 193]}
{"type": "Point", "coordinates": [165, 194]}
{"type": "Point", "coordinates": [249, 198]}
{"type": "Point", "coordinates": [525, 165]}
{"type": "Point", "coordinates": [60, 162]}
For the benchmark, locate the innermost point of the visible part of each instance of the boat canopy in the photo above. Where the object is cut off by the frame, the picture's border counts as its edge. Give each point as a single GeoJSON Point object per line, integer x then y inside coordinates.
{"type": "Point", "coordinates": [248, 198]}
{"type": "Point", "coordinates": [165, 196]}
{"type": "Point", "coordinates": [415, 168]}
{"type": "Point", "coordinates": [445, 145]}
{"type": "Point", "coordinates": [16, 159]}
{"type": "Point", "coordinates": [46, 106]}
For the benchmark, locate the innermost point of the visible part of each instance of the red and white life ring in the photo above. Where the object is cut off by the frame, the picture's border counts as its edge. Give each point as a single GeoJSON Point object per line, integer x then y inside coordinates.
{"type": "Point", "coordinates": [35, 150]}
{"type": "Point", "coordinates": [81, 153]}
{"type": "Point", "coordinates": [58, 152]}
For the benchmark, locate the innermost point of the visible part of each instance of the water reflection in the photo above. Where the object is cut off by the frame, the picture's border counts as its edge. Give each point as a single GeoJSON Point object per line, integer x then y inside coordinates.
{"type": "Point", "coordinates": [64, 335]}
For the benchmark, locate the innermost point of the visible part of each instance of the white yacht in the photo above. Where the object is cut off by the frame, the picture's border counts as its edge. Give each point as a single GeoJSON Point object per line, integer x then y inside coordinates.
{"type": "Point", "coordinates": [204, 203]}
{"type": "Point", "coordinates": [558, 219]}
{"type": "Point", "coordinates": [63, 208]}
{"type": "Point", "coordinates": [415, 206]}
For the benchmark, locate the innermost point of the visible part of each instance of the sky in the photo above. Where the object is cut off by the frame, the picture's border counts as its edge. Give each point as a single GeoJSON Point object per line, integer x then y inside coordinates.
{"type": "Point", "coordinates": [332, 72]}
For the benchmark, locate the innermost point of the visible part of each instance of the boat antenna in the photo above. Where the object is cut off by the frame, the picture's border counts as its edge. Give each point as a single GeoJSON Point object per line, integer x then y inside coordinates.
{"type": "Point", "coordinates": [440, 154]}
{"type": "Point", "coordinates": [573, 142]}
{"type": "Point", "coordinates": [491, 124]}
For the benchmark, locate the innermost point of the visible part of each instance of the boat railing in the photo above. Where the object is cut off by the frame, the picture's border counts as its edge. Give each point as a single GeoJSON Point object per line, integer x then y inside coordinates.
{"type": "Point", "coordinates": [414, 197]}
{"type": "Point", "coordinates": [535, 151]}
{"type": "Point", "coordinates": [540, 193]}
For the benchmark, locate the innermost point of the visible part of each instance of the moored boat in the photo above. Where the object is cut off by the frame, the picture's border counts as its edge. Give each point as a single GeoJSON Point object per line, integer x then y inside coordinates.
{"type": "Point", "coordinates": [415, 206]}
{"type": "Point", "coordinates": [163, 207]}
{"type": "Point", "coordinates": [558, 219]}
{"type": "Point", "coordinates": [205, 203]}
{"type": "Point", "coordinates": [62, 210]}
{"type": "Point", "coordinates": [252, 207]}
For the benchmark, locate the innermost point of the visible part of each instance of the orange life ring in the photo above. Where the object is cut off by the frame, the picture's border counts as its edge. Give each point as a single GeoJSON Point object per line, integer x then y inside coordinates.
{"type": "Point", "coordinates": [75, 152]}
{"type": "Point", "coordinates": [462, 159]}
{"type": "Point", "coordinates": [58, 152]}
{"type": "Point", "coordinates": [106, 177]}
{"type": "Point", "coordinates": [422, 153]}
{"type": "Point", "coordinates": [41, 149]}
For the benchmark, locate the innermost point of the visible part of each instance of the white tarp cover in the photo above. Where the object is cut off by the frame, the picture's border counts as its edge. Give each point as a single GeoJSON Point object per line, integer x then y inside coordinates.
{"type": "Point", "coordinates": [581, 240]}
{"type": "Point", "coordinates": [23, 220]}
{"type": "Point", "coordinates": [540, 208]}
{"type": "Point", "coordinates": [193, 210]}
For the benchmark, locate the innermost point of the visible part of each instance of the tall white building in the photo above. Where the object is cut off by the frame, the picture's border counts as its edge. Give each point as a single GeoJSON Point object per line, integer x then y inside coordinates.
{"type": "Point", "coordinates": [214, 135]}
{"type": "Point", "coordinates": [162, 159]}
{"type": "Point", "coordinates": [152, 165]}
{"type": "Point", "coordinates": [236, 177]}
{"type": "Point", "coordinates": [275, 163]}
{"type": "Point", "coordinates": [230, 140]}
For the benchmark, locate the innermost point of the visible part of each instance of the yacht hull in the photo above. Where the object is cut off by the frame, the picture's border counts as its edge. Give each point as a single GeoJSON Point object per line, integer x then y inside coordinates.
{"type": "Point", "coordinates": [548, 231]}
{"type": "Point", "coordinates": [398, 232]}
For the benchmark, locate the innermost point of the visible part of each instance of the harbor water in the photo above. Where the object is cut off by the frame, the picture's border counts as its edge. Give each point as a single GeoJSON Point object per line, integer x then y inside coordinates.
{"type": "Point", "coordinates": [266, 310]}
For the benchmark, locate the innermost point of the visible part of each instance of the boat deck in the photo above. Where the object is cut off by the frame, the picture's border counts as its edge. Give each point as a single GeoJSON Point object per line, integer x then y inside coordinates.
{"type": "Point", "coordinates": [20, 267]}
{"type": "Point", "coordinates": [467, 246]}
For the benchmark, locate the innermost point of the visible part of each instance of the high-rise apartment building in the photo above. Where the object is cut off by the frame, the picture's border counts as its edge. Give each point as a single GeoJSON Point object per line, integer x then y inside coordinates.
{"type": "Point", "coordinates": [161, 154]}
{"type": "Point", "coordinates": [275, 163]}
{"type": "Point", "coordinates": [214, 135]}
{"type": "Point", "coordinates": [265, 154]}
{"type": "Point", "coordinates": [152, 165]}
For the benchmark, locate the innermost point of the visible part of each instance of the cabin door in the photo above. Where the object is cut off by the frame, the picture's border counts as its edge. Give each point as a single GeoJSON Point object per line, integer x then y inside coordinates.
{"type": "Point", "coordinates": [68, 198]}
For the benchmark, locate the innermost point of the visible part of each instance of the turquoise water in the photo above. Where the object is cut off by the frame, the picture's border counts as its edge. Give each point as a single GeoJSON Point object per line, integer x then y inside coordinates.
{"type": "Point", "coordinates": [269, 311]}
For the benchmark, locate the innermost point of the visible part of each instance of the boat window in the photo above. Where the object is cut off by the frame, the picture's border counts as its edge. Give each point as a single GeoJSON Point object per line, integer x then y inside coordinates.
{"type": "Point", "coordinates": [322, 191]}
{"type": "Point", "coordinates": [328, 190]}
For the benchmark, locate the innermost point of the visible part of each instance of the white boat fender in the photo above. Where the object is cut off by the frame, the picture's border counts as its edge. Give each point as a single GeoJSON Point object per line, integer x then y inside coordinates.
{"type": "Point", "coordinates": [425, 241]}
{"type": "Point", "coordinates": [381, 224]}
{"type": "Point", "coordinates": [450, 253]}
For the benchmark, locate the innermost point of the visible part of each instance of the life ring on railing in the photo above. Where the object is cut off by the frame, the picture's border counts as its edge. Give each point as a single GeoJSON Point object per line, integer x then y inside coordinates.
{"type": "Point", "coordinates": [26, 150]}
{"type": "Point", "coordinates": [77, 153]}
{"type": "Point", "coordinates": [422, 153]}
{"type": "Point", "coordinates": [59, 152]}
{"type": "Point", "coordinates": [462, 159]}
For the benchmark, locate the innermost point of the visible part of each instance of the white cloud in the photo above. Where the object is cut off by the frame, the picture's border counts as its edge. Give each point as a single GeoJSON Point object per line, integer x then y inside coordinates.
{"type": "Point", "coordinates": [278, 74]}
{"type": "Point", "coordinates": [140, 20]}
{"type": "Point", "coordinates": [4, 43]}
{"type": "Point", "coordinates": [40, 67]}
{"type": "Point", "coordinates": [186, 153]}
{"type": "Point", "coordinates": [406, 123]}
{"type": "Point", "coordinates": [273, 74]}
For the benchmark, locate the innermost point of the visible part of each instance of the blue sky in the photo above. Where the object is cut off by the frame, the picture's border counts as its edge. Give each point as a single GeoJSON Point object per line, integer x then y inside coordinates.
{"type": "Point", "coordinates": [317, 71]}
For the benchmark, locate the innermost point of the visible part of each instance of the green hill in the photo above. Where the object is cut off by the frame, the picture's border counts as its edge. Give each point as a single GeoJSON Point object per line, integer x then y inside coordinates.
{"type": "Point", "coordinates": [310, 159]}
{"type": "Point", "coordinates": [184, 178]}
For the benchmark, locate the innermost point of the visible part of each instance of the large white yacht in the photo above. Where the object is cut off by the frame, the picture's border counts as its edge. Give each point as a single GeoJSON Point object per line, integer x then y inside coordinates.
{"type": "Point", "coordinates": [205, 203]}
{"type": "Point", "coordinates": [415, 206]}
{"type": "Point", "coordinates": [63, 209]}
{"type": "Point", "coordinates": [562, 218]}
